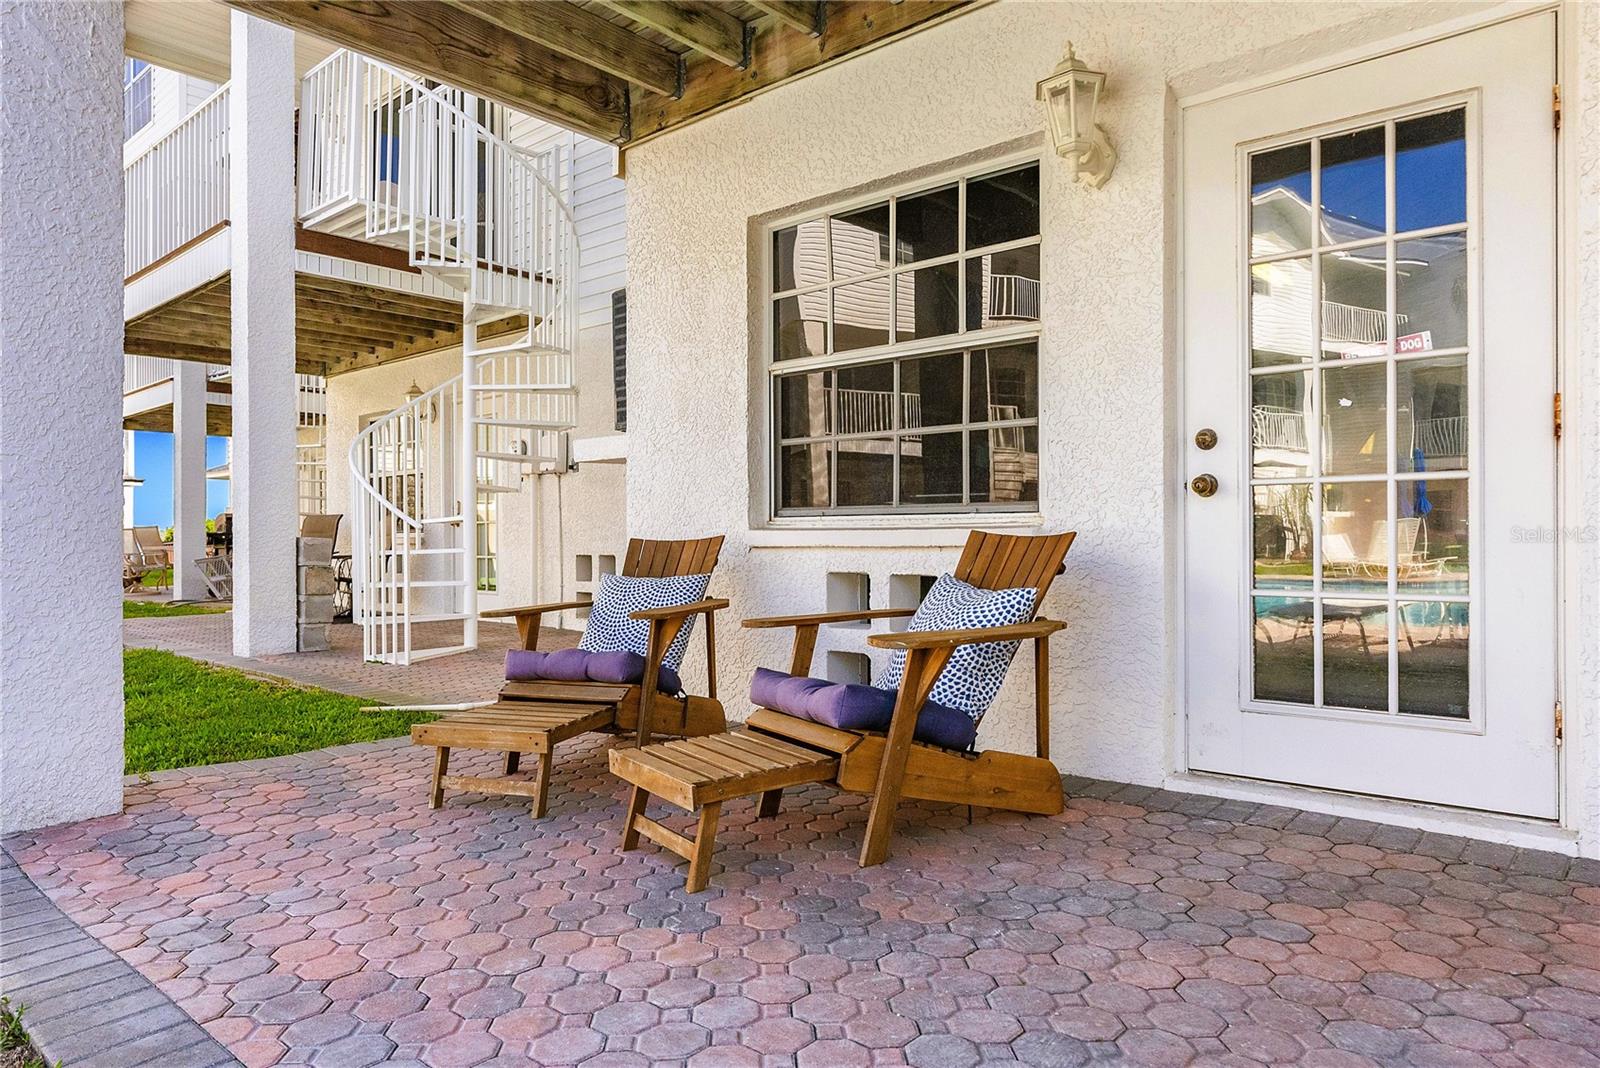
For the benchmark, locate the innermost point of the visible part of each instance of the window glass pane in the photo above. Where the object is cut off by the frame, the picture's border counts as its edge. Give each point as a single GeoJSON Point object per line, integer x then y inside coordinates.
{"type": "Point", "coordinates": [1003, 207]}
{"type": "Point", "coordinates": [1004, 464]}
{"type": "Point", "coordinates": [803, 475]}
{"type": "Point", "coordinates": [866, 472]}
{"type": "Point", "coordinates": [866, 398]}
{"type": "Point", "coordinates": [1434, 671]}
{"type": "Point", "coordinates": [1430, 293]}
{"type": "Point", "coordinates": [930, 469]}
{"type": "Point", "coordinates": [931, 391]}
{"type": "Point", "coordinates": [1352, 186]}
{"type": "Point", "coordinates": [1430, 170]}
{"type": "Point", "coordinates": [1005, 383]}
{"type": "Point", "coordinates": [860, 241]}
{"type": "Point", "coordinates": [1355, 420]}
{"type": "Point", "coordinates": [1003, 287]}
{"type": "Point", "coordinates": [1285, 649]}
{"type": "Point", "coordinates": [1280, 200]}
{"type": "Point", "coordinates": [799, 256]}
{"type": "Point", "coordinates": [1281, 317]}
{"type": "Point", "coordinates": [1355, 536]}
{"type": "Point", "coordinates": [861, 315]}
{"type": "Point", "coordinates": [1355, 319]}
{"type": "Point", "coordinates": [926, 225]}
{"type": "Point", "coordinates": [803, 402]}
{"type": "Point", "coordinates": [1432, 547]}
{"type": "Point", "coordinates": [1279, 405]}
{"type": "Point", "coordinates": [1355, 655]}
{"type": "Point", "coordinates": [929, 302]}
{"type": "Point", "coordinates": [1431, 422]}
{"type": "Point", "coordinates": [799, 326]}
{"type": "Point", "coordinates": [1282, 535]}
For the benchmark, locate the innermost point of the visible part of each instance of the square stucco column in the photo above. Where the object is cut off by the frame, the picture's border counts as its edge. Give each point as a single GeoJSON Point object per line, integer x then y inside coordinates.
{"type": "Point", "coordinates": [265, 506]}
{"type": "Point", "coordinates": [188, 479]}
{"type": "Point", "coordinates": [60, 412]}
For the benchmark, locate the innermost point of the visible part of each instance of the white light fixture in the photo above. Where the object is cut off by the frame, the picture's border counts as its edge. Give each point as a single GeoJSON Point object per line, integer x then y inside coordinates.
{"type": "Point", "coordinates": [1072, 97]}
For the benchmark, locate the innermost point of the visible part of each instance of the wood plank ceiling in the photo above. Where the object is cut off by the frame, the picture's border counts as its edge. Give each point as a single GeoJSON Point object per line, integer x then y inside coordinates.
{"type": "Point", "coordinates": [617, 70]}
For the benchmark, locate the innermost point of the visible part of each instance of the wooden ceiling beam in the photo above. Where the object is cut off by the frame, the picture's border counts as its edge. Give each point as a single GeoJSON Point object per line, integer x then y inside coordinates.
{"type": "Point", "coordinates": [704, 27]}
{"type": "Point", "coordinates": [434, 39]}
{"type": "Point", "coordinates": [803, 16]}
{"type": "Point", "coordinates": [582, 35]}
{"type": "Point", "coordinates": [356, 362]}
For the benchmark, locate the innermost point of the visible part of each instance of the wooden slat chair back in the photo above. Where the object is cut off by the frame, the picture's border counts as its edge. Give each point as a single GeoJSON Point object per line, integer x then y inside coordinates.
{"type": "Point", "coordinates": [889, 765]}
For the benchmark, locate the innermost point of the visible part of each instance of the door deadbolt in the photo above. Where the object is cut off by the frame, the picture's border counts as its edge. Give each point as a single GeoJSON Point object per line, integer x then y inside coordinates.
{"type": "Point", "coordinates": [1203, 485]}
{"type": "Point", "coordinates": [1205, 439]}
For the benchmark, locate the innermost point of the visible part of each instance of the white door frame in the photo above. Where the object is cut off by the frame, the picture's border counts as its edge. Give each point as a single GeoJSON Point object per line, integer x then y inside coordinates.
{"type": "Point", "coordinates": [1575, 780]}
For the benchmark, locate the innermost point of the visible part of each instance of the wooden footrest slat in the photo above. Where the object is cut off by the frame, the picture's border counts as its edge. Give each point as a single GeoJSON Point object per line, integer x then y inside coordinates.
{"type": "Point", "coordinates": [480, 785]}
{"type": "Point", "coordinates": [606, 693]}
{"type": "Point", "coordinates": [697, 771]}
{"type": "Point", "coordinates": [532, 728]}
{"type": "Point", "coordinates": [665, 836]}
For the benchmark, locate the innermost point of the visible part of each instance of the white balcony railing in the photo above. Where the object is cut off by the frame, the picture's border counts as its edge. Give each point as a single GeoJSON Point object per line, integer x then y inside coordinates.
{"type": "Point", "coordinates": [178, 188]}
{"type": "Point", "coordinates": [1278, 428]}
{"type": "Point", "coordinates": [1446, 436]}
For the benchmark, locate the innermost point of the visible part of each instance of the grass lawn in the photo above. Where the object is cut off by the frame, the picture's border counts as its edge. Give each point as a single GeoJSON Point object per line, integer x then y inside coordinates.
{"type": "Point", "coordinates": [182, 713]}
{"type": "Point", "coordinates": [150, 609]}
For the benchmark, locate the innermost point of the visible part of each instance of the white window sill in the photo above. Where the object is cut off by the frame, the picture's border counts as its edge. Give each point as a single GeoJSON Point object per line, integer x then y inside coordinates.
{"type": "Point", "coordinates": [938, 531]}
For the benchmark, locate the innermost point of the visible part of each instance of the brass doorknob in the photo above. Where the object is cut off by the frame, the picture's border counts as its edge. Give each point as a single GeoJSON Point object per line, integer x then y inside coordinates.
{"type": "Point", "coordinates": [1203, 485]}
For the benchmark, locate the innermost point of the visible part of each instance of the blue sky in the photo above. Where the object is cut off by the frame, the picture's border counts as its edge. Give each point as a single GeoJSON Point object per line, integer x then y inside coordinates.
{"type": "Point", "coordinates": [152, 461]}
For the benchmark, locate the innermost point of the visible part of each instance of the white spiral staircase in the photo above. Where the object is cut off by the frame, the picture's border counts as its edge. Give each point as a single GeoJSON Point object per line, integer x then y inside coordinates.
{"type": "Point", "coordinates": [393, 160]}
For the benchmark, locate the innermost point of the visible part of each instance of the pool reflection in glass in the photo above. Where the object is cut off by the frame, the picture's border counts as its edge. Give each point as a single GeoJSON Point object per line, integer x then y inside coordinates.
{"type": "Point", "coordinates": [1285, 650]}
{"type": "Point", "coordinates": [1434, 667]}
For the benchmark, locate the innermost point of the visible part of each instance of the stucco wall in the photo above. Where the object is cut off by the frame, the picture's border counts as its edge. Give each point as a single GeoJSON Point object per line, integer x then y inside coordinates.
{"type": "Point", "coordinates": [1108, 367]}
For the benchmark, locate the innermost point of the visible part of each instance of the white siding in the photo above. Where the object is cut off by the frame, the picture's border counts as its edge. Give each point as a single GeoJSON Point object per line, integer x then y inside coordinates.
{"type": "Point", "coordinates": [172, 96]}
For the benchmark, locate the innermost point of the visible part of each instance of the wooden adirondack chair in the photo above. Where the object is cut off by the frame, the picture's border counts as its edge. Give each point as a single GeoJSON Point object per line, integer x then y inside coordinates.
{"type": "Point", "coordinates": [777, 750]}
{"type": "Point", "coordinates": [533, 717]}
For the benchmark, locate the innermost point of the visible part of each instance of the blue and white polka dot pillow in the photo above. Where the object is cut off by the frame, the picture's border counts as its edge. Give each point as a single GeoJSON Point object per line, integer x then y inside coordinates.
{"type": "Point", "coordinates": [609, 628]}
{"type": "Point", "coordinates": [973, 676]}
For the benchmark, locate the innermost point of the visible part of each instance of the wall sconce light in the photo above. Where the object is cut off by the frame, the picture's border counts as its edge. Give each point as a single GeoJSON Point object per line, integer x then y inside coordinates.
{"type": "Point", "coordinates": [1072, 97]}
{"type": "Point", "coordinates": [413, 395]}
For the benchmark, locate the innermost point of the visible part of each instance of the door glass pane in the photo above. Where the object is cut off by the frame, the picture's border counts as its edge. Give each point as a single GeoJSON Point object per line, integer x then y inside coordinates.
{"type": "Point", "coordinates": [866, 472]}
{"type": "Point", "coordinates": [1431, 418]}
{"type": "Point", "coordinates": [930, 302]}
{"type": "Point", "coordinates": [930, 469]}
{"type": "Point", "coordinates": [1355, 420]}
{"type": "Point", "coordinates": [800, 326]}
{"type": "Point", "coordinates": [1430, 170]}
{"type": "Point", "coordinates": [1004, 465]}
{"type": "Point", "coordinates": [1279, 407]}
{"type": "Point", "coordinates": [1281, 319]}
{"type": "Point", "coordinates": [1355, 320]}
{"type": "Point", "coordinates": [866, 399]}
{"type": "Point", "coordinates": [1431, 536]}
{"type": "Point", "coordinates": [803, 402]}
{"type": "Point", "coordinates": [860, 241]}
{"type": "Point", "coordinates": [1281, 523]}
{"type": "Point", "coordinates": [1003, 207]}
{"type": "Point", "coordinates": [806, 471]}
{"type": "Point", "coordinates": [1004, 383]}
{"type": "Point", "coordinates": [926, 225]}
{"type": "Point", "coordinates": [1430, 293]}
{"type": "Point", "coordinates": [861, 315]}
{"type": "Point", "coordinates": [1434, 667]}
{"type": "Point", "coordinates": [930, 391]}
{"type": "Point", "coordinates": [1352, 186]}
{"type": "Point", "coordinates": [1003, 287]}
{"type": "Point", "coordinates": [1355, 655]}
{"type": "Point", "coordinates": [1280, 200]}
{"type": "Point", "coordinates": [1355, 536]}
{"type": "Point", "coordinates": [1285, 649]}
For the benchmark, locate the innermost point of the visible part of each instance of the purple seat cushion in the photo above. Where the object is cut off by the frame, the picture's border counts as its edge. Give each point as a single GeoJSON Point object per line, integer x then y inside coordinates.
{"type": "Point", "coordinates": [580, 665]}
{"type": "Point", "coordinates": [853, 707]}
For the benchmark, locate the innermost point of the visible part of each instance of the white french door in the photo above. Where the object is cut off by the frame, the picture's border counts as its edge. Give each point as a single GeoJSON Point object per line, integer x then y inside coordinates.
{"type": "Point", "coordinates": [1371, 591]}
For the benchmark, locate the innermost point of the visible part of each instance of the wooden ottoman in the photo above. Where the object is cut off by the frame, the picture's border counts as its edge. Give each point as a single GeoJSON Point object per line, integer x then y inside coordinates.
{"type": "Point", "coordinates": [698, 775]}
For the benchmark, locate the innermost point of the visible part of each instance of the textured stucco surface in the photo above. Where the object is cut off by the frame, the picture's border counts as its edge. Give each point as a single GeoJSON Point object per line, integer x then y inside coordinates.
{"type": "Point", "coordinates": [60, 413]}
{"type": "Point", "coordinates": [1108, 366]}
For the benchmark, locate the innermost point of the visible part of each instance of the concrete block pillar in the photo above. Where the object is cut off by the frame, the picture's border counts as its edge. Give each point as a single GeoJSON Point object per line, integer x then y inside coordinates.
{"type": "Point", "coordinates": [61, 444]}
{"type": "Point", "coordinates": [188, 480]}
{"type": "Point", "coordinates": [261, 212]}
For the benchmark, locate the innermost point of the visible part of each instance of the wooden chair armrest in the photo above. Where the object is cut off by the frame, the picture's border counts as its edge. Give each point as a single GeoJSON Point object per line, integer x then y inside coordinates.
{"type": "Point", "coordinates": [674, 611]}
{"type": "Point", "coordinates": [819, 618]}
{"type": "Point", "coordinates": [943, 639]}
{"type": "Point", "coordinates": [532, 609]}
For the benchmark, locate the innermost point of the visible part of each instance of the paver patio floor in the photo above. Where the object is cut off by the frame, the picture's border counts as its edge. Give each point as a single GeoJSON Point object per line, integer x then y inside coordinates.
{"type": "Point", "coordinates": [312, 910]}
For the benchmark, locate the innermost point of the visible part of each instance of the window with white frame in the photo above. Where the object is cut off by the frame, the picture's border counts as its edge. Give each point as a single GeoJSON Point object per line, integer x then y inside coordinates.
{"type": "Point", "coordinates": [902, 348]}
{"type": "Point", "coordinates": [136, 113]}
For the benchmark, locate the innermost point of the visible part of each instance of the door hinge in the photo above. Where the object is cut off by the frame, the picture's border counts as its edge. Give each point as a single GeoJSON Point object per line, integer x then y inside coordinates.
{"type": "Point", "coordinates": [1555, 414]}
{"type": "Point", "coordinates": [1555, 103]}
{"type": "Point", "coordinates": [1561, 724]}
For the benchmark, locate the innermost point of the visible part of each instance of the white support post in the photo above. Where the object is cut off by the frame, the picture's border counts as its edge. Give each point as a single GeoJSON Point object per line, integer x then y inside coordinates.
{"type": "Point", "coordinates": [188, 479]}
{"type": "Point", "coordinates": [61, 441]}
{"type": "Point", "coordinates": [468, 479]}
{"type": "Point", "coordinates": [265, 502]}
